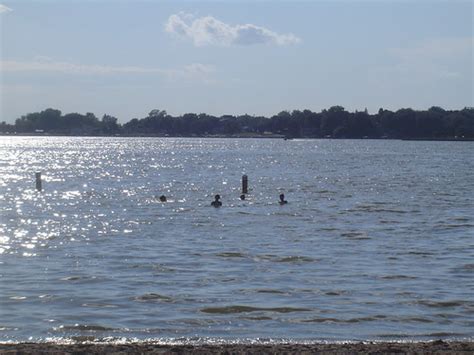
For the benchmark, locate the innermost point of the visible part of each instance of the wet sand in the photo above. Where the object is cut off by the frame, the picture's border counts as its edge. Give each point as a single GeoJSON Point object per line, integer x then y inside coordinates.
{"type": "Point", "coordinates": [434, 347]}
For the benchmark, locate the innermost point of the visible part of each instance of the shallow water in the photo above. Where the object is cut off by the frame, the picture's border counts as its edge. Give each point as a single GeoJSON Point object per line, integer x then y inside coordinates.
{"type": "Point", "coordinates": [376, 242]}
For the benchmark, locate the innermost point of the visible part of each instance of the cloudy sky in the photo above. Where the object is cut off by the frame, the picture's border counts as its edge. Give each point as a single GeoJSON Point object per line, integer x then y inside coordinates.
{"type": "Point", "coordinates": [126, 58]}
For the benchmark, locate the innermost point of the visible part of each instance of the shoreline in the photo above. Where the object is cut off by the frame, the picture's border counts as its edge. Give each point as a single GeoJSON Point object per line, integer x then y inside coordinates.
{"type": "Point", "coordinates": [436, 346]}
{"type": "Point", "coordinates": [238, 136]}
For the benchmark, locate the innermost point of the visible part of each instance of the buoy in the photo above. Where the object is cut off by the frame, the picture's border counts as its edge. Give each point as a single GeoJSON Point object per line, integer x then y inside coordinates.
{"type": "Point", "coordinates": [245, 184]}
{"type": "Point", "coordinates": [38, 181]}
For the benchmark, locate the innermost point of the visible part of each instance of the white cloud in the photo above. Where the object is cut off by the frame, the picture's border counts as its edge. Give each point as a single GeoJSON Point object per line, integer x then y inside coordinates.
{"type": "Point", "coordinates": [4, 8]}
{"type": "Point", "coordinates": [44, 64]}
{"type": "Point", "coordinates": [211, 31]}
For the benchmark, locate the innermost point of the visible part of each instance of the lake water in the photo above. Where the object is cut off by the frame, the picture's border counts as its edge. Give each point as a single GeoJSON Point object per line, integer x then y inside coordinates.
{"type": "Point", "coordinates": [376, 242]}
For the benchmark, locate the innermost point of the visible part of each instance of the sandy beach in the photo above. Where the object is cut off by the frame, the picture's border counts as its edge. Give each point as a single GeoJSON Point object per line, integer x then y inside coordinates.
{"type": "Point", "coordinates": [434, 347]}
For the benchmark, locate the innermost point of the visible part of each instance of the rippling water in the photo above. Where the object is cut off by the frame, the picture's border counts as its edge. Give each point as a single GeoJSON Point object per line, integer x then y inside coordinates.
{"type": "Point", "coordinates": [376, 242]}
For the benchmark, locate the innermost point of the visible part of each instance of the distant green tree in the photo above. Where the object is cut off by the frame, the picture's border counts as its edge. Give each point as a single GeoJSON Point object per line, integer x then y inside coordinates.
{"type": "Point", "coordinates": [405, 123]}
{"type": "Point", "coordinates": [359, 125]}
{"type": "Point", "coordinates": [109, 125]}
{"type": "Point", "coordinates": [6, 127]}
{"type": "Point", "coordinates": [335, 121]}
{"type": "Point", "coordinates": [332, 119]}
{"type": "Point", "coordinates": [50, 120]}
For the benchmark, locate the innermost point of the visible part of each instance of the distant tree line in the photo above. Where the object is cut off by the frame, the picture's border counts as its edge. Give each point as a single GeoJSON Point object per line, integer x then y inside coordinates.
{"type": "Point", "coordinates": [335, 122]}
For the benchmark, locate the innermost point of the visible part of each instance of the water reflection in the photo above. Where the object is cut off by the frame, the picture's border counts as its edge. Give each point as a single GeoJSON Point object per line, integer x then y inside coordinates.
{"type": "Point", "coordinates": [374, 238]}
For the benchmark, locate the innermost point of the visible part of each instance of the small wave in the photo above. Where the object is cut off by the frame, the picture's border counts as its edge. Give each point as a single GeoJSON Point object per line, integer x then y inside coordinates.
{"type": "Point", "coordinates": [466, 268]}
{"type": "Point", "coordinates": [84, 338]}
{"type": "Point", "coordinates": [295, 259]}
{"type": "Point", "coordinates": [45, 296]}
{"type": "Point", "coordinates": [426, 335]}
{"type": "Point", "coordinates": [93, 194]}
{"type": "Point", "coordinates": [99, 305]}
{"type": "Point", "coordinates": [230, 255]}
{"type": "Point", "coordinates": [462, 343]}
{"type": "Point", "coordinates": [18, 298]}
{"type": "Point", "coordinates": [192, 322]}
{"type": "Point", "coordinates": [461, 219]}
{"type": "Point", "coordinates": [257, 318]}
{"type": "Point", "coordinates": [325, 192]}
{"type": "Point", "coordinates": [245, 213]}
{"type": "Point", "coordinates": [395, 336]}
{"type": "Point", "coordinates": [444, 334]}
{"type": "Point", "coordinates": [271, 291]}
{"type": "Point", "coordinates": [365, 319]}
{"type": "Point", "coordinates": [398, 277]}
{"type": "Point", "coordinates": [356, 235]}
{"type": "Point", "coordinates": [286, 259]}
{"type": "Point", "coordinates": [406, 293]}
{"type": "Point", "coordinates": [414, 338]}
{"type": "Point", "coordinates": [5, 328]}
{"type": "Point", "coordinates": [335, 293]}
{"type": "Point", "coordinates": [162, 269]}
{"type": "Point", "coordinates": [153, 297]}
{"type": "Point", "coordinates": [321, 320]}
{"type": "Point", "coordinates": [80, 278]}
{"type": "Point", "coordinates": [376, 208]}
{"type": "Point", "coordinates": [347, 321]}
{"type": "Point", "coordinates": [442, 304]}
{"type": "Point", "coordinates": [84, 327]}
{"type": "Point", "coordinates": [441, 226]}
{"type": "Point", "coordinates": [414, 320]}
{"type": "Point", "coordinates": [388, 221]}
{"type": "Point", "coordinates": [248, 309]}
{"type": "Point", "coordinates": [421, 253]}
{"type": "Point", "coordinates": [71, 278]}
{"type": "Point", "coordinates": [286, 214]}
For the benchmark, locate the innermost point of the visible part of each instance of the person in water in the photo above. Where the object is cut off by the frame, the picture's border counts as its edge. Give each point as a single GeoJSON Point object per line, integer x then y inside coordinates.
{"type": "Point", "coordinates": [216, 202]}
{"type": "Point", "coordinates": [163, 198]}
{"type": "Point", "coordinates": [242, 197]}
{"type": "Point", "coordinates": [282, 200]}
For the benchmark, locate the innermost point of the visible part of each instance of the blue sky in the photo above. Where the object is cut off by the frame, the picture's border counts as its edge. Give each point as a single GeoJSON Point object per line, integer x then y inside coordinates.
{"type": "Point", "coordinates": [126, 58]}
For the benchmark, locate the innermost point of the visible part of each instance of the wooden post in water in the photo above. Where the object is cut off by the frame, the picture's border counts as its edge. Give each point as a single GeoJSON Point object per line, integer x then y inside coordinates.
{"type": "Point", "coordinates": [245, 184]}
{"type": "Point", "coordinates": [38, 181]}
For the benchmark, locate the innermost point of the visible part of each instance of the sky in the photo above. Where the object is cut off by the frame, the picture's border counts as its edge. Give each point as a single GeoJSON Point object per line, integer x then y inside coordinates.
{"type": "Point", "coordinates": [126, 58]}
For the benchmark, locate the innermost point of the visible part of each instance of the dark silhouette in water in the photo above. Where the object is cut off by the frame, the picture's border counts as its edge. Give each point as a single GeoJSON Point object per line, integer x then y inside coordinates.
{"type": "Point", "coordinates": [282, 200]}
{"type": "Point", "coordinates": [216, 202]}
{"type": "Point", "coordinates": [242, 197]}
{"type": "Point", "coordinates": [163, 198]}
